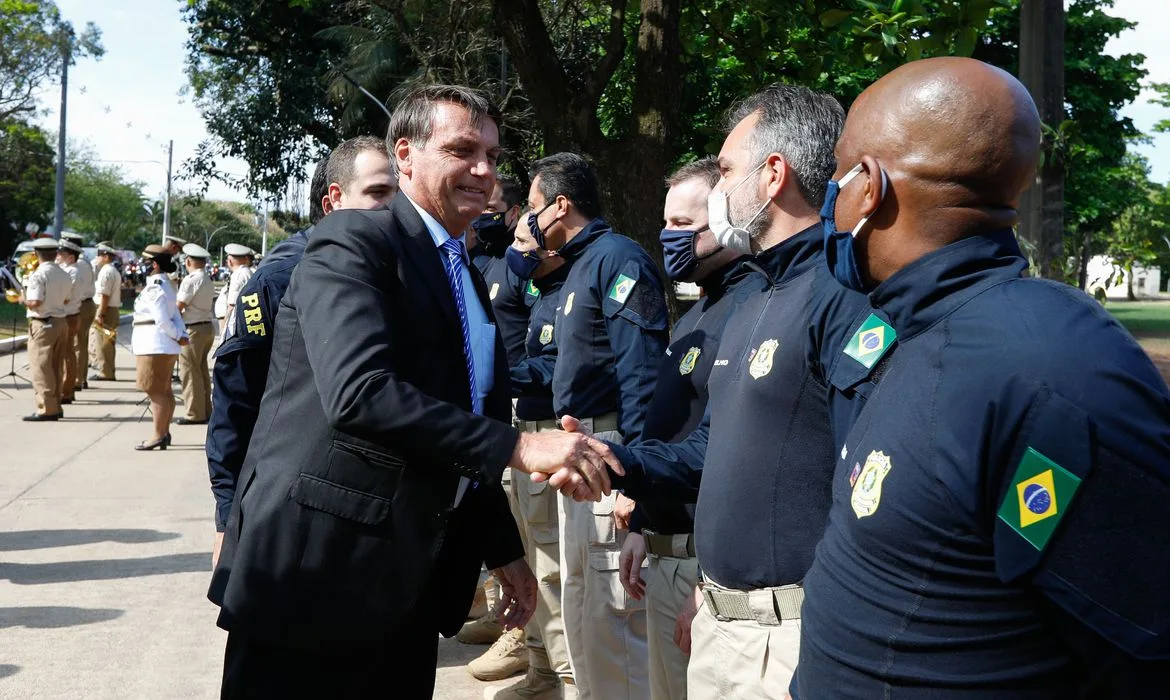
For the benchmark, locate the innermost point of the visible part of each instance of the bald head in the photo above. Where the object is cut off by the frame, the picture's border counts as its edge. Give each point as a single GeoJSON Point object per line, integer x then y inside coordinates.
{"type": "Point", "coordinates": [959, 141]}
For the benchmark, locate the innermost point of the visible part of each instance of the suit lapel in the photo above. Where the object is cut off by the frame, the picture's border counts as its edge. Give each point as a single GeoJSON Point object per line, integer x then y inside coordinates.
{"type": "Point", "coordinates": [426, 258]}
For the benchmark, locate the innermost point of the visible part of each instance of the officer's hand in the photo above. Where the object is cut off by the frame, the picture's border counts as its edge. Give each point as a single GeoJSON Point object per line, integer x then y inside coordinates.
{"type": "Point", "coordinates": [630, 565]}
{"type": "Point", "coordinates": [682, 624]}
{"type": "Point", "coordinates": [583, 462]}
{"type": "Point", "coordinates": [517, 594]}
{"type": "Point", "coordinates": [184, 342]}
{"type": "Point", "coordinates": [215, 547]}
{"type": "Point", "coordinates": [623, 509]}
{"type": "Point", "coordinates": [572, 425]}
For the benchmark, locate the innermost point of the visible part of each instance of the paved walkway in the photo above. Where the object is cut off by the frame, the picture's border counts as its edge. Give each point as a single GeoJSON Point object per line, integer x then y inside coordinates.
{"type": "Point", "coordinates": [105, 555]}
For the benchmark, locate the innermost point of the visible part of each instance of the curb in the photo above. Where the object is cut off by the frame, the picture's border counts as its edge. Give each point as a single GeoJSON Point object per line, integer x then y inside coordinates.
{"type": "Point", "coordinates": [19, 342]}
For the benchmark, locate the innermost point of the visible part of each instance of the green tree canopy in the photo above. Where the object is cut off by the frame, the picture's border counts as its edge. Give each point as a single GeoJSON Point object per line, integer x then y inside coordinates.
{"type": "Point", "coordinates": [101, 202]}
{"type": "Point", "coordinates": [32, 35]}
{"type": "Point", "coordinates": [26, 181]}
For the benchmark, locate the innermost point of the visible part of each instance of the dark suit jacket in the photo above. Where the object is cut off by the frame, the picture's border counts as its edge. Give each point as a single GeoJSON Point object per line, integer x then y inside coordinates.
{"type": "Point", "coordinates": [345, 517]}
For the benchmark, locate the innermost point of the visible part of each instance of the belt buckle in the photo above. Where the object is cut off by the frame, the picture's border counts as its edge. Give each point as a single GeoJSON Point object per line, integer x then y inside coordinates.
{"type": "Point", "coordinates": [709, 598]}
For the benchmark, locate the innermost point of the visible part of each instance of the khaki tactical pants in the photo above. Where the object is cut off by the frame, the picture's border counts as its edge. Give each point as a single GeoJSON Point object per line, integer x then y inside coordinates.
{"type": "Point", "coordinates": [604, 627]}
{"type": "Point", "coordinates": [194, 372]}
{"type": "Point", "coordinates": [68, 373]}
{"type": "Point", "coordinates": [104, 346]}
{"type": "Point", "coordinates": [46, 352]}
{"type": "Point", "coordinates": [669, 582]}
{"type": "Point", "coordinates": [741, 659]}
{"type": "Point", "coordinates": [81, 345]}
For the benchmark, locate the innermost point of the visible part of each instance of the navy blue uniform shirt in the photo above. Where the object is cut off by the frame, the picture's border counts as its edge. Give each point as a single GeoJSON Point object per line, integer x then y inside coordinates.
{"type": "Point", "coordinates": [680, 396]}
{"type": "Point", "coordinates": [532, 376]}
{"type": "Point", "coordinates": [512, 299]}
{"type": "Point", "coordinates": [241, 370]}
{"type": "Point", "coordinates": [611, 329]}
{"type": "Point", "coordinates": [765, 451]}
{"type": "Point", "coordinates": [1000, 524]}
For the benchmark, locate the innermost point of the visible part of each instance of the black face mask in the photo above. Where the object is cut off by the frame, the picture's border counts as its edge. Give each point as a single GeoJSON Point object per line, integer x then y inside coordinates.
{"type": "Point", "coordinates": [493, 232]}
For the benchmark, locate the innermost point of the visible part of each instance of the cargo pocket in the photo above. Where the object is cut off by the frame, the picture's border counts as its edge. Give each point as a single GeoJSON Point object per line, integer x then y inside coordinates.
{"type": "Point", "coordinates": [540, 510]}
{"type": "Point", "coordinates": [603, 530]}
{"type": "Point", "coordinates": [608, 595]}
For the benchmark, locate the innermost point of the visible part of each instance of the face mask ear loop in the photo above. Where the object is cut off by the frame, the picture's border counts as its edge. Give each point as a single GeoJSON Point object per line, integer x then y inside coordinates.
{"type": "Point", "coordinates": [864, 219]}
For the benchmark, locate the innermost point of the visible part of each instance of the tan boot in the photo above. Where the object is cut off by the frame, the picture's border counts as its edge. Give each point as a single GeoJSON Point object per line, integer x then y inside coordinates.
{"type": "Point", "coordinates": [508, 656]}
{"type": "Point", "coordinates": [539, 684]}
{"type": "Point", "coordinates": [485, 630]}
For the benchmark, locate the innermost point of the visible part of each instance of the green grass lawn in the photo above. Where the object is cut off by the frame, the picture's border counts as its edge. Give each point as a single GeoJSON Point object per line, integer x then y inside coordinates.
{"type": "Point", "coordinates": [1143, 318]}
{"type": "Point", "coordinates": [8, 312]}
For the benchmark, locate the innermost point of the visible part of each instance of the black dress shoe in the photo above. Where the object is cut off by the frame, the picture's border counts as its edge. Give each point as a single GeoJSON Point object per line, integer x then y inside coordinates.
{"type": "Point", "coordinates": [66, 402]}
{"type": "Point", "coordinates": [162, 444]}
{"type": "Point", "coordinates": [188, 421]}
{"type": "Point", "coordinates": [38, 417]}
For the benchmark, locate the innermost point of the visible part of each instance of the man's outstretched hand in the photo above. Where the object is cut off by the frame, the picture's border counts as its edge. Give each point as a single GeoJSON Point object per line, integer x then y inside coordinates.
{"type": "Point", "coordinates": [517, 594]}
{"type": "Point", "coordinates": [575, 464]}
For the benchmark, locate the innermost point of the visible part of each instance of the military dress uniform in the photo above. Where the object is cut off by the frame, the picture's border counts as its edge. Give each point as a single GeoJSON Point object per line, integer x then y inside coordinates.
{"type": "Point", "coordinates": [158, 329]}
{"type": "Point", "coordinates": [85, 290]}
{"type": "Point", "coordinates": [677, 408]}
{"type": "Point", "coordinates": [109, 283]}
{"type": "Point", "coordinates": [51, 286]}
{"type": "Point", "coordinates": [765, 454]}
{"type": "Point", "coordinates": [998, 526]}
{"type": "Point", "coordinates": [229, 296]}
{"type": "Point", "coordinates": [611, 331]}
{"type": "Point", "coordinates": [536, 501]}
{"type": "Point", "coordinates": [68, 375]}
{"type": "Point", "coordinates": [197, 293]}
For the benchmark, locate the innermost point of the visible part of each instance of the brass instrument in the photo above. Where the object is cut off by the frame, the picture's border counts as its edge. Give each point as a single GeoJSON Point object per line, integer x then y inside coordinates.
{"type": "Point", "coordinates": [12, 296]}
{"type": "Point", "coordinates": [26, 265]}
{"type": "Point", "coordinates": [108, 333]}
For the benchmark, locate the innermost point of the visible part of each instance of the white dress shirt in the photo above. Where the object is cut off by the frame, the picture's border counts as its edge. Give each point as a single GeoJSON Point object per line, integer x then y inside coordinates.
{"type": "Point", "coordinates": [85, 280]}
{"type": "Point", "coordinates": [51, 286]}
{"type": "Point", "coordinates": [109, 282]}
{"type": "Point", "coordinates": [197, 292]}
{"type": "Point", "coordinates": [73, 304]}
{"type": "Point", "coordinates": [158, 327]}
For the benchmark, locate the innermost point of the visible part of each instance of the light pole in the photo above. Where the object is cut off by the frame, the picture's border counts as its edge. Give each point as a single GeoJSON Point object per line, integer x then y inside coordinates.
{"type": "Point", "coordinates": [207, 239]}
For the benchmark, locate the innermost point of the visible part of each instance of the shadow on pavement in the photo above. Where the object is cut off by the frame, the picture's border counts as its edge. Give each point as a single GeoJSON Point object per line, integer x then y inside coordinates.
{"type": "Point", "coordinates": [7, 670]}
{"type": "Point", "coordinates": [52, 617]}
{"type": "Point", "coordinates": [105, 569]}
{"type": "Point", "coordinates": [452, 652]}
{"type": "Point", "coordinates": [45, 539]}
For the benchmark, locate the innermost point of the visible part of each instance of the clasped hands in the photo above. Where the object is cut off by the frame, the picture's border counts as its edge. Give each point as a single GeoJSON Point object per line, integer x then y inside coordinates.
{"type": "Point", "coordinates": [572, 461]}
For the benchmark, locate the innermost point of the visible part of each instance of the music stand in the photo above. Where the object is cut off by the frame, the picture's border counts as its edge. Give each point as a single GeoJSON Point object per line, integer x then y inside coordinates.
{"type": "Point", "coordinates": [8, 281]}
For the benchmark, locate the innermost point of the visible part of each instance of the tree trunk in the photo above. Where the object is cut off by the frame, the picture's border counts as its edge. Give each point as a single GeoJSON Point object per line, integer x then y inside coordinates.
{"type": "Point", "coordinates": [1042, 71]}
{"type": "Point", "coordinates": [1129, 295]}
{"type": "Point", "coordinates": [1083, 266]}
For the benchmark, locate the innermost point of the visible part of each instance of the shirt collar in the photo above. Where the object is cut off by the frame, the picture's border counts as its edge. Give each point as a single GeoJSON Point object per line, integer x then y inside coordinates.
{"type": "Point", "coordinates": [791, 257]}
{"type": "Point", "coordinates": [438, 234]}
{"type": "Point", "coordinates": [592, 231]}
{"type": "Point", "coordinates": [930, 288]}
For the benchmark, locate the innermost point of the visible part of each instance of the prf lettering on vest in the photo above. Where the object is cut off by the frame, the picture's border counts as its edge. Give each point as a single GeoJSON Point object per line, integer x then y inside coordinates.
{"type": "Point", "coordinates": [253, 316]}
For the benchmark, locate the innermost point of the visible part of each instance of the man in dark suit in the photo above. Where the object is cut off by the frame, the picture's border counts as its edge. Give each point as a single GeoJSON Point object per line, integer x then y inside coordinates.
{"type": "Point", "coordinates": [370, 495]}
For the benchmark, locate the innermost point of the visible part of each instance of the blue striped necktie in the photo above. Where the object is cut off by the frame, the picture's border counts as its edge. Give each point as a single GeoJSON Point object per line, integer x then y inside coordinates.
{"type": "Point", "coordinates": [455, 262]}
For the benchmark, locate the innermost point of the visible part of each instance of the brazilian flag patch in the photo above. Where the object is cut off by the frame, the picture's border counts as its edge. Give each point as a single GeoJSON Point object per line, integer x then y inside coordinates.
{"type": "Point", "coordinates": [622, 286]}
{"type": "Point", "coordinates": [1038, 498]}
{"type": "Point", "coordinates": [531, 290]}
{"type": "Point", "coordinates": [871, 341]}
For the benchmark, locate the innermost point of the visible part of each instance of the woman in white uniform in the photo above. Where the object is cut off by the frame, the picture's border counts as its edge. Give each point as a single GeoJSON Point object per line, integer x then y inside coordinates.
{"type": "Point", "coordinates": [158, 334]}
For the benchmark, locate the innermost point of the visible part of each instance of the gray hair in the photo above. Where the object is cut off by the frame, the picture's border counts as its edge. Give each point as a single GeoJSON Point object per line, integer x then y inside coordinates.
{"type": "Point", "coordinates": [414, 117]}
{"type": "Point", "coordinates": [800, 125]}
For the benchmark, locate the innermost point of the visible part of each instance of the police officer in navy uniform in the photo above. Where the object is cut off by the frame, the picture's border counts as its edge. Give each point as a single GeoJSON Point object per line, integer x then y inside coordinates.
{"type": "Point", "coordinates": [765, 450]}
{"type": "Point", "coordinates": [356, 175]}
{"type": "Point", "coordinates": [512, 298]}
{"type": "Point", "coordinates": [998, 527]}
{"type": "Point", "coordinates": [661, 527]}
{"type": "Point", "coordinates": [611, 331]}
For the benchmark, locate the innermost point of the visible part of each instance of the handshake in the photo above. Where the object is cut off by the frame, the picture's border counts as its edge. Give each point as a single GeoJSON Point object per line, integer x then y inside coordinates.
{"type": "Point", "coordinates": [573, 462]}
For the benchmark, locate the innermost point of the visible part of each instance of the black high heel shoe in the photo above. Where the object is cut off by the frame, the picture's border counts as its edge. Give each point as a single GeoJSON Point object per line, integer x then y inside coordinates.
{"type": "Point", "coordinates": [161, 444]}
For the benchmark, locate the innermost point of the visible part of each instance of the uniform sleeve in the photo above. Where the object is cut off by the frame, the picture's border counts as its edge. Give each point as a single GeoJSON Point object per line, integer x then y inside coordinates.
{"type": "Point", "coordinates": [237, 386]}
{"type": "Point", "coordinates": [34, 287]}
{"type": "Point", "coordinates": [666, 471]}
{"type": "Point", "coordinates": [532, 376]}
{"type": "Point", "coordinates": [1081, 494]}
{"type": "Point", "coordinates": [639, 521]}
{"type": "Point", "coordinates": [235, 284]}
{"type": "Point", "coordinates": [186, 290]}
{"type": "Point", "coordinates": [107, 283]}
{"type": "Point", "coordinates": [634, 309]}
{"type": "Point", "coordinates": [159, 308]}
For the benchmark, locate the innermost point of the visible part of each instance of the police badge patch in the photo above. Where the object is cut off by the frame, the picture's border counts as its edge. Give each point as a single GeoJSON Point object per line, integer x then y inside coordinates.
{"type": "Point", "coordinates": [569, 303]}
{"type": "Point", "coordinates": [546, 334]}
{"type": "Point", "coordinates": [762, 359]}
{"type": "Point", "coordinates": [867, 490]}
{"type": "Point", "coordinates": [687, 364]}
{"type": "Point", "coordinates": [495, 290]}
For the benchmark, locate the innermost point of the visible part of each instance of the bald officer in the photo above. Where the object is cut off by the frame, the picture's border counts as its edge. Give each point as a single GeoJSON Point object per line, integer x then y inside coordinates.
{"type": "Point", "coordinates": [46, 291]}
{"type": "Point", "coordinates": [196, 296]}
{"type": "Point", "coordinates": [86, 312]}
{"type": "Point", "coordinates": [108, 299]}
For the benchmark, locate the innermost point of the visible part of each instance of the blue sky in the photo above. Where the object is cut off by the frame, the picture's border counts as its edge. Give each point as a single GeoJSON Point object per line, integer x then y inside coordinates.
{"type": "Point", "coordinates": [127, 105]}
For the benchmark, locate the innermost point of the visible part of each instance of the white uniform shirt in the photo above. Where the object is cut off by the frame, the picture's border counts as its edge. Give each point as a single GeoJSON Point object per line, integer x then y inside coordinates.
{"type": "Point", "coordinates": [198, 293]}
{"type": "Point", "coordinates": [109, 282]}
{"type": "Point", "coordinates": [234, 286]}
{"type": "Point", "coordinates": [85, 280]}
{"type": "Point", "coordinates": [158, 327]}
{"type": "Point", "coordinates": [73, 305]}
{"type": "Point", "coordinates": [51, 286]}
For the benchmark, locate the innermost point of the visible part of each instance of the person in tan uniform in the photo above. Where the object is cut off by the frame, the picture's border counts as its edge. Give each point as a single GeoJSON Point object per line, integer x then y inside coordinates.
{"type": "Point", "coordinates": [108, 298]}
{"type": "Point", "coordinates": [67, 260]}
{"type": "Point", "coordinates": [240, 259]}
{"type": "Point", "coordinates": [195, 298]}
{"type": "Point", "coordinates": [88, 309]}
{"type": "Point", "coordinates": [46, 292]}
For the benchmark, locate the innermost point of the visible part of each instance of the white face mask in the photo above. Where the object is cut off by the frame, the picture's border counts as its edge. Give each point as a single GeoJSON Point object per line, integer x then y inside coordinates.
{"type": "Point", "coordinates": [728, 235]}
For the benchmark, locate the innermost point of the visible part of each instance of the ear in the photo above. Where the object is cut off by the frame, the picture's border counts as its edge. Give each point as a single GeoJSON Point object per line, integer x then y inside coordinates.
{"type": "Point", "coordinates": [403, 156]}
{"type": "Point", "coordinates": [326, 204]}
{"type": "Point", "coordinates": [513, 214]}
{"type": "Point", "coordinates": [777, 176]}
{"type": "Point", "coordinates": [334, 196]}
{"type": "Point", "coordinates": [562, 205]}
{"type": "Point", "coordinates": [872, 193]}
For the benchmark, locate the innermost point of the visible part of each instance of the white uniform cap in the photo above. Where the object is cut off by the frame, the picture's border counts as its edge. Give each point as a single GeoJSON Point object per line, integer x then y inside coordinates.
{"type": "Point", "coordinates": [194, 250]}
{"type": "Point", "coordinates": [238, 250]}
